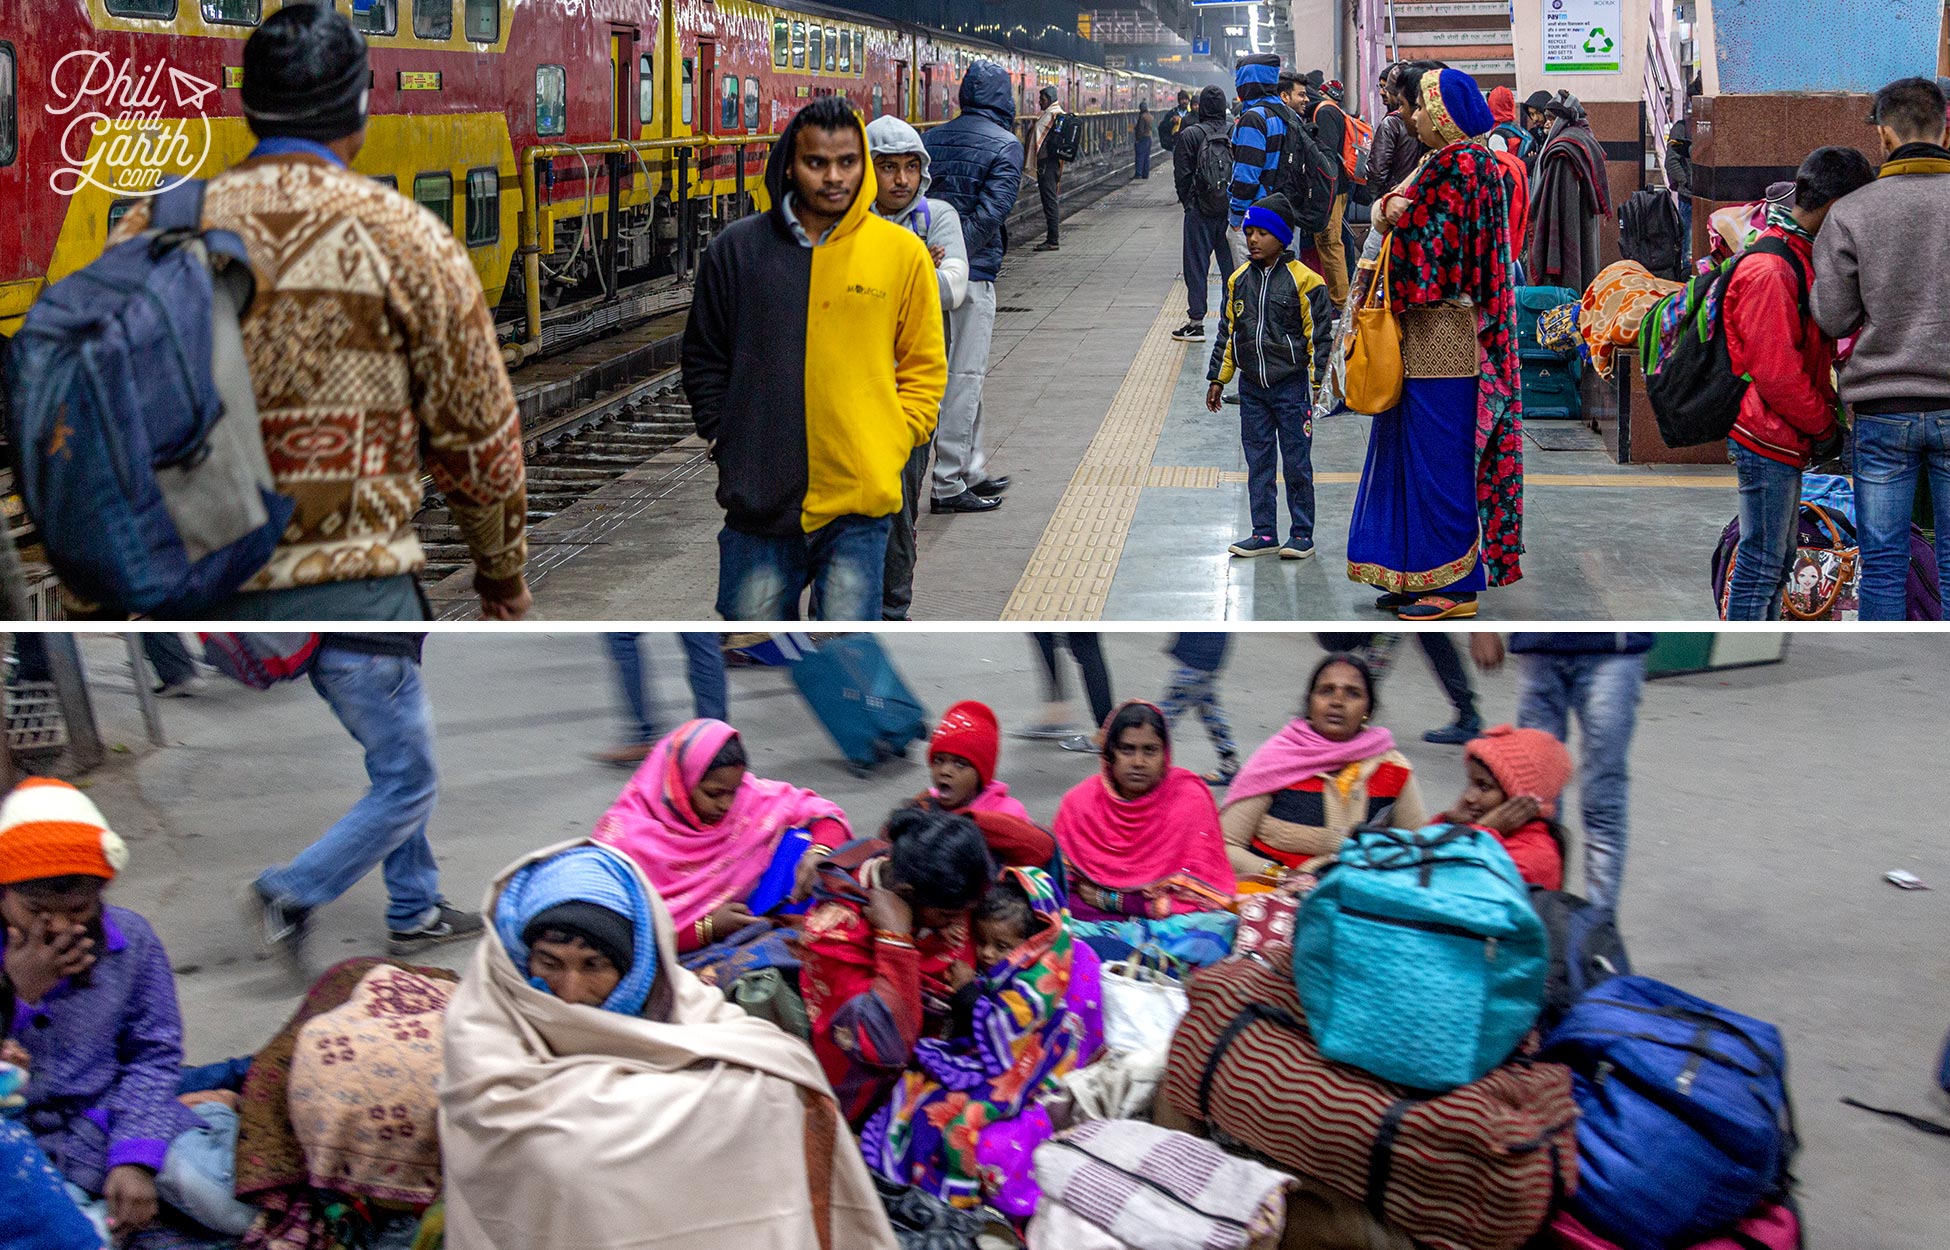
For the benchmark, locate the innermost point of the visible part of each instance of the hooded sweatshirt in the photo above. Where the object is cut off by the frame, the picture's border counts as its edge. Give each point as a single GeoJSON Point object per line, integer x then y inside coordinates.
{"type": "Point", "coordinates": [817, 370]}
{"type": "Point", "coordinates": [1192, 136]}
{"type": "Point", "coordinates": [934, 222]}
{"type": "Point", "coordinates": [977, 165]}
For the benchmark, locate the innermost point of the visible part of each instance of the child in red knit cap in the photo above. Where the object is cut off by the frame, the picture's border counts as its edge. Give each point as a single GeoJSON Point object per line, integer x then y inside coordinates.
{"type": "Point", "coordinates": [1515, 776]}
{"type": "Point", "coordinates": [961, 763]}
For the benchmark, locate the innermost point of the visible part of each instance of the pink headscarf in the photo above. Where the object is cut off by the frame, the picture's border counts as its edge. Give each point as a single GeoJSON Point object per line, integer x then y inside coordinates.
{"type": "Point", "coordinates": [1298, 752]}
{"type": "Point", "coordinates": [698, 868]}
{"type": "Point", "coordinates": [1127, 844]}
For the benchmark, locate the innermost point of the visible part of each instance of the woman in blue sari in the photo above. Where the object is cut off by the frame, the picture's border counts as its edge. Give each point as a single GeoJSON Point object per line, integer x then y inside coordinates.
{"type": "Point", "coordinates": [1439, 515]}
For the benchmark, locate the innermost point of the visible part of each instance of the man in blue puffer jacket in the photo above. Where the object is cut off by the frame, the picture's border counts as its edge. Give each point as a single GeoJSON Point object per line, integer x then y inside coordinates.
{"type": "Point", "coordinates": [976, 162]}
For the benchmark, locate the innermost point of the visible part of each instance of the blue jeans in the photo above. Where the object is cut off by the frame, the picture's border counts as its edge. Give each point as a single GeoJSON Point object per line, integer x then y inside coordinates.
{"type": "Point", "coordinates": [1604, 692]}
{"type": "Point", "coordinates": [1204, 242]}
{"type": "Point", "coordinates": [169, 657]}
{"type": "Point", "coordinates": [1144, 158]}
{"type": "Point", "coordinates": [1770, 511]}
{"type": "Point", "coordinates": [381, 703]}
{"type": "Point", "coordinates": [1276, 427]}
{"type": "Point", "coordinates": [1891, 452]}
{"type": "Point", "coordinates": [198, 1177]}
{"type": "Point", "coordinates": [706, 663]}
{"type": "Point", "coordinates": [760, 577]}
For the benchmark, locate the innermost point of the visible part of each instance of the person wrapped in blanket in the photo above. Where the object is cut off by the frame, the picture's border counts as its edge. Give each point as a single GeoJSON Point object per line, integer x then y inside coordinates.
{"type": "Point", "coordinates": [1514, 779]}
{"type": "Point", "coordinates": [1328, 772]}
{"type": "Point", "coordinates": [1142, 841]}
{"type": "Point", "coordinates": [596, 1093]}
{"type": "Point", "coordinates": [1033, 1014]}
{"type": "Point", "coordinates": [725, 850]}
{"type": "Point", "coordinates": [96, 1017]}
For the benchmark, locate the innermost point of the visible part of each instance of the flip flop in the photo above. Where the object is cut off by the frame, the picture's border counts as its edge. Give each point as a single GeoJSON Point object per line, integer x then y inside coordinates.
{"type": "Point", "coordinates": [1438, 608]}
{"type": "Point", "coordinates": [1392, 600]}
{"type": "Point", "coordinates": [1218, 780]}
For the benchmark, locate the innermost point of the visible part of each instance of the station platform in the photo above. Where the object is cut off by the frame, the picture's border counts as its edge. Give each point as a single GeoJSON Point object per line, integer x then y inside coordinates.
{"type": "Point", "coordinates": [1126, 491]}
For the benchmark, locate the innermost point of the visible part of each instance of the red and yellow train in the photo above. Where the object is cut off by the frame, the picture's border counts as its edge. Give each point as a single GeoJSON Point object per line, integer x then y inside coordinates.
{"type": "Point", "coordinates": [102, 101]}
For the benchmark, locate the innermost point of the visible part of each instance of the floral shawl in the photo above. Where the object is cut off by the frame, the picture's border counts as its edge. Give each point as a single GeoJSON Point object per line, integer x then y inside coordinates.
{"type": "Point", "coordinates": [1027, 1037]}
{"type": "Point", "coordinates": [1454, 244]}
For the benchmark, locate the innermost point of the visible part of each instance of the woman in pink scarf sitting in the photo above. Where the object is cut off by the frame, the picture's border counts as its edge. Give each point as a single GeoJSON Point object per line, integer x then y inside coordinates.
{"type": "Point", "coordinates": [1146, 858]}
{"type": "Point", "coordinates": [723, 848]}
{"type": "Point", "coordinates": [1317, 780]}
{"type": "Point", "coordinates": [962, 756]}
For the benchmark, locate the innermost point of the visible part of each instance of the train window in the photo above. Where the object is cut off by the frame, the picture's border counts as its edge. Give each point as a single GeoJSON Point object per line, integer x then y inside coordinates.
{"type": "Point", "coordinates": [798, 45]}
{"type": "Point", "coordinates": [381, 19]}
{"type": "Point", "coordinates": [815, 48]}
{"type": "Point", "coordinates": [233, 12]}
{"type": "Point", "coordinates": [9, 106]}
{"type": "Point", "coordinates": [690, 89]}
{"type": "Point", "coordinates": [646, 89]}
{"type": "Point", "coordinates": [846, 52]}
{"type": "Point", "coordinates": [832, 48]}
{"type": "Point", "coordinates": [879, 100]}
{"type": "Point", "coordinates": [751, 105]}
{"type": "Point", "coordinates": [483, 207]}
{"type": "Point", "coordinates": [435, 192]}
{"type": "Point", "coordinates": [551, 100]}
{"type": "Point", "coordinates": [116, 212]}
{"type": "Point", "coordinates": [781, 42]}
{"type": "Point", "coordinates": [433, 19]}
{"type": "Point", "coordinates": [728, 113]}
{"type": "Point", "coordinates": [481, 19]}
{"type": "Point", "coordinates": [142, 8]}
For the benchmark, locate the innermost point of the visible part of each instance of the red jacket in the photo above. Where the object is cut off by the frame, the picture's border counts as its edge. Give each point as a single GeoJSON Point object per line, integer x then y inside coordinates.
{"type": "Point", "coordinates": [1791, 405]}
{"type": "Point", "coordinates": [1533, 849]}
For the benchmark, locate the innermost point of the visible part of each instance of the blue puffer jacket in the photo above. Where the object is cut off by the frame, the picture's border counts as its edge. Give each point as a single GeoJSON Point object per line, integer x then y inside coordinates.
{"type": "Point", "coordinates": [976, 161]}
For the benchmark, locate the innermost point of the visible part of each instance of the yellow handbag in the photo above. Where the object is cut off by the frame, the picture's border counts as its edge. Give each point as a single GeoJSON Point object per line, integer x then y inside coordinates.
{"type": "Point", "coordinates": [1374, 353]}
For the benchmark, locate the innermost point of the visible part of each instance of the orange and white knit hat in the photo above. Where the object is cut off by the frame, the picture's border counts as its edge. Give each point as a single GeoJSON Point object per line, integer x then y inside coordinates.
{"type": "Point", "coordinates": [50, 829]}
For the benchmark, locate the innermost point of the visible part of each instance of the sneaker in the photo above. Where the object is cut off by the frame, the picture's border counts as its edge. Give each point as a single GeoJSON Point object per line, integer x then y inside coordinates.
{"type": "Point", "coordinates": [625, 756]}
{"type": "Point", "coordinates": [1257, 545]}
{"type": "Point", "coordinates": [278, 924]}
{"type": "Point", "coordinates": [188, 688]}
{"type": "Point", "coordinates": [1082, 744]}
{"type": "Point", "coordinates": [1047, 247]}
{"type": "Point", "coordinates": [1297, 549]}
{"type": "Point", "coordinates": [1190, 332]}
{"type": "Point", "coordinates": [451, 924]}
{"type": "Point", "coordinates": [1455, 735]}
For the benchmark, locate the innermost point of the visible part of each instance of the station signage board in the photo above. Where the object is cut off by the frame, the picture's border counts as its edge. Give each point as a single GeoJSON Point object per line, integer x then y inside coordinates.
{"type": "Point", "coordinates": [1584, 36]}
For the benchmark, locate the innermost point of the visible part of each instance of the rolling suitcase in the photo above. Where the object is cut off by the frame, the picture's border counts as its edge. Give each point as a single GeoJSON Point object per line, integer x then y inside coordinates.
{"type": "Point", "coordinates": [1551, 379]}
{"type": "Point", "coordinates": [852, 688]}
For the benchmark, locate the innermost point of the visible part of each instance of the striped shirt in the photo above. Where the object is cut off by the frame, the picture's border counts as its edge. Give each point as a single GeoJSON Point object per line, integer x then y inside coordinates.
{"type": "Point", "coordinates": [1257, 141]}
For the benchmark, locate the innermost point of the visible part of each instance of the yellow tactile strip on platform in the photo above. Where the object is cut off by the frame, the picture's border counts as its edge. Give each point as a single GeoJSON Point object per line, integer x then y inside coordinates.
{"type": "Point", "coordinates": [1194, 475]}
{"type": "Point", "coordinates": [1069, 574]}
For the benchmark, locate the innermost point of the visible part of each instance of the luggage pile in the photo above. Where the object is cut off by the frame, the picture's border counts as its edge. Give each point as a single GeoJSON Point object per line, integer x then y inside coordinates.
{"type": "Point", "coordinates": [1454, 1061]}
{"type": "Point", "coordinates": [1552, 375]}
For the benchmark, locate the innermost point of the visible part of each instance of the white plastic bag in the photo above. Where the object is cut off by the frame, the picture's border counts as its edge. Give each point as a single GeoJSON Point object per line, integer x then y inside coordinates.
{"type": "Point", "coordinates": [1143, 1003]}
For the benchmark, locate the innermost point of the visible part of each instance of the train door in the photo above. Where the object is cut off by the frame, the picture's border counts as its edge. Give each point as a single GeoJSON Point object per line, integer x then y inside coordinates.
{"type": "Point", "coordinates": [902, 108]}
{"type": "Point", "coordinates": [707, 74]}
{"type": "Point", "coordinates": [622, 100]}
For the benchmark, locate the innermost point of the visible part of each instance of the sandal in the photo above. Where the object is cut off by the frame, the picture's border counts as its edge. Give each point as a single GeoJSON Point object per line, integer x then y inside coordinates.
{"type": "Point", "coordinates": [1439, 608]}
{"type": "Point", "coordinates": [1392, 601]}
{"type": "Point", "coordinates": [1220, 778]}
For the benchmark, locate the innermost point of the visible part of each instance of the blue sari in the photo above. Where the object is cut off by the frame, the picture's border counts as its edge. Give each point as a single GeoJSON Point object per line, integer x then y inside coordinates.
{"type": "Point", "coordinates": [1415, 527]}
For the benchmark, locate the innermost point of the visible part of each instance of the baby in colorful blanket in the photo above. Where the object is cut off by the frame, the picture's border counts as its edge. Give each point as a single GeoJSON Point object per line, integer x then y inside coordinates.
{"type": "Point", "coordinates": [1035, 1016]}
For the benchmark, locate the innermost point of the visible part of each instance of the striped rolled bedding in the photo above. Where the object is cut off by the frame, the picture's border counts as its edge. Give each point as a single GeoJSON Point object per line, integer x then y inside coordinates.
{"type": "Point", "coordinates": [1473, 1169]}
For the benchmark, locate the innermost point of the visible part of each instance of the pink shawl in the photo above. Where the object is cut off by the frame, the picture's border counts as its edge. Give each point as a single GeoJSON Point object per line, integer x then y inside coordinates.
{"type": "Point", "coordinates": [1298, 752]}
{"type": "Point", "coordinates": [1128, 844]}
{"type": "Point", "coordinates": [994, 797]}
{"type": "Point", "coordinates": [697, 868]}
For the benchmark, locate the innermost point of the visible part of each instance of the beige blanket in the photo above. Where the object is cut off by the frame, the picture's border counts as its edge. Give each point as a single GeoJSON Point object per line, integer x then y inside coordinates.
{"type": "Point", "coordinates": [572, 1128]}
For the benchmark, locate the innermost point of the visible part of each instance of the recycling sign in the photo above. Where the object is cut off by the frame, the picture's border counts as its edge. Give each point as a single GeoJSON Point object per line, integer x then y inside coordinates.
{"type": "Point", "coordinates": [1582, 36]}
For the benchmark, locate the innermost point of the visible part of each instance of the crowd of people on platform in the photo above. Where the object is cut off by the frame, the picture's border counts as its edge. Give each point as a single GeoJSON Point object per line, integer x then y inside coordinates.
{"type": "Point", "coordinates": [728, 970]}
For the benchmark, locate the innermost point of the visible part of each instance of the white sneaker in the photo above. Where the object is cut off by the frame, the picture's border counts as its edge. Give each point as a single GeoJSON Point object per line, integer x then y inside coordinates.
{"type": "Point", "coordinates": [188, 688]}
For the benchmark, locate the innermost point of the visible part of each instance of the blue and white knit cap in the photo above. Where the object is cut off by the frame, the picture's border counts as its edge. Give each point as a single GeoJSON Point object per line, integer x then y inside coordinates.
{"type": "Point", "coordinates": [582, 874]}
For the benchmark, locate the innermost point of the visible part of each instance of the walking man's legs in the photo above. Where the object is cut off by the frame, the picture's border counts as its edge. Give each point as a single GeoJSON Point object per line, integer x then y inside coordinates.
{"type": "Point", "coordinates": [626, 662]}
{"type": "Point", "coordinates": [959, 462]}
{"type": "Point", "coordinates": [1089, 652]}
{"type": "Point", "coordinates": [1605, 690]}
{"type": "Point", "coordinates": [1333, 253]}
{"type": "Point", "coordinates": [175, 666]}
{"type": "Point", "coordinates": [382, 704]}
{"type": "Point", "coordinates": [760, 576]}
{"type": "Point", "coordinates": [1446, 661]}
{"type": "Point", "coordinates": [847, 558]}
{"type": "Point", "coordinates": [704, 654]}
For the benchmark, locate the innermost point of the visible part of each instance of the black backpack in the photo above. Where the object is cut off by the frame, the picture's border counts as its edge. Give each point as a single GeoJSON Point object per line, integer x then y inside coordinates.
{"type": "Point", "coordinates": [1211, 170]}
{"type": "Point", "coordinates": [1689, 377]}
{"type": "Point", "coordinates": [1649, 232]}
{"type": "Point", "coordinates": [1306, 174]}
{"type": "Point", "coordinates": [1586, 949]}
{"type": "Point", "coordinates": [1065, 137]}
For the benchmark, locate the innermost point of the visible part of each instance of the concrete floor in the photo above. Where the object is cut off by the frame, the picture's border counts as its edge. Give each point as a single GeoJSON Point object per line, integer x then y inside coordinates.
{"type": "Point", "coordinates": [1632, 545]}
{"type": "Point", "coordinates": [1767, 804]}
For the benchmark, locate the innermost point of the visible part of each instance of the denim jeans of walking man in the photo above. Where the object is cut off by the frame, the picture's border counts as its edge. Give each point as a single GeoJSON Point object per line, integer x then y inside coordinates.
{"type": "Point", "coordinates": [1895, 455]}
{"type": "Point", "coordinates": [844, 562]}
{"type": "Point", "coordinates": [703, 657]}
{"type": "Point", "coordinates": [1770, 510]}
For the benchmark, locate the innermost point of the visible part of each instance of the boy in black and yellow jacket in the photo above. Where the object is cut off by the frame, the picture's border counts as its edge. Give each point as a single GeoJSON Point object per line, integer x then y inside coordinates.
{"type": "Point", "coordinates": [1275, 331]}
{"type": "Point", "coordinates": [814, 364]}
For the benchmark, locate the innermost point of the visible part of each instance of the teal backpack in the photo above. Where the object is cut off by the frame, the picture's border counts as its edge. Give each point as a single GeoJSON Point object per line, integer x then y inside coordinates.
{"type": "Point", "coordinates": [1419, 957]}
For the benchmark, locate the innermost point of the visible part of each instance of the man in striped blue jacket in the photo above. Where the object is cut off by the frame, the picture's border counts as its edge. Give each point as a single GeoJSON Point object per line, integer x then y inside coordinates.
{"type": "Point", "coordinates": [1257, 139]}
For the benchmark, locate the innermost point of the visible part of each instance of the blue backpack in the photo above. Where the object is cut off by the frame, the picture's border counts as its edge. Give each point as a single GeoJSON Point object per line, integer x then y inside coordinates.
{"type": "Point", "coordinates": [1419, 957]}
{"type": "Point", "coordinates": [1684, 1123]}
{"type": "Point", "coordinates": [135, 432]}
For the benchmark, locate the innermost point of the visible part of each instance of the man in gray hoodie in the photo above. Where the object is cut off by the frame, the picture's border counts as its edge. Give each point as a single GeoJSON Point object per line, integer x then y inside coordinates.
{"type": "Point", "coordinates": [1880, 262]}
{"type": "Point", "coordinates": [900, 166]}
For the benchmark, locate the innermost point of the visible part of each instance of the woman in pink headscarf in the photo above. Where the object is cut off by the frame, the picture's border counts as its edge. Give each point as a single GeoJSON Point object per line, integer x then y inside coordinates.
{"type": "Point", "coordinates": [721, 846]}
{"type": "Point", "coordinates": [1146, 858]}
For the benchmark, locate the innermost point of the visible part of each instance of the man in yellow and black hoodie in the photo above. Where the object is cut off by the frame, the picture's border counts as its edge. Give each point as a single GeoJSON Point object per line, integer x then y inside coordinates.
{"type": "Point", "coordinates": [814, 364]}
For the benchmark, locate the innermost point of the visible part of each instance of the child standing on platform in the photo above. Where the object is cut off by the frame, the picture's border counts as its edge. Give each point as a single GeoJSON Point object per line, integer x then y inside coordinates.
{"type": "Point", "coordinates": [1275, 332]}
{"type": "Point", "coordinates": [1195, 686]}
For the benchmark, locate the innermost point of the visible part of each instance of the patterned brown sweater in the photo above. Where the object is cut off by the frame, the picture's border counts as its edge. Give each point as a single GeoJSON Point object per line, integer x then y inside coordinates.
{"type": "Point", "coordinates": [372, 353]}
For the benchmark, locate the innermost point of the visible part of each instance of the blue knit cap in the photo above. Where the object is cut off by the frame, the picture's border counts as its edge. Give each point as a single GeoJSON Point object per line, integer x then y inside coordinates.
{"type": "Point", "coordinates": [582, 874]}
{"type": "Point", "coordinates": [1255, 75]}
{"type": "Point", "coordinates": [1271, 222]}
{"type": "Point", "coordinates": [1465, 102]}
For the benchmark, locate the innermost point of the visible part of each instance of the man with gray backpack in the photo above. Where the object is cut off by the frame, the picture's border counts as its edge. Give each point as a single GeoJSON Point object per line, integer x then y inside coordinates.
{"type": "Point", "coordinates": [1201, 167]}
